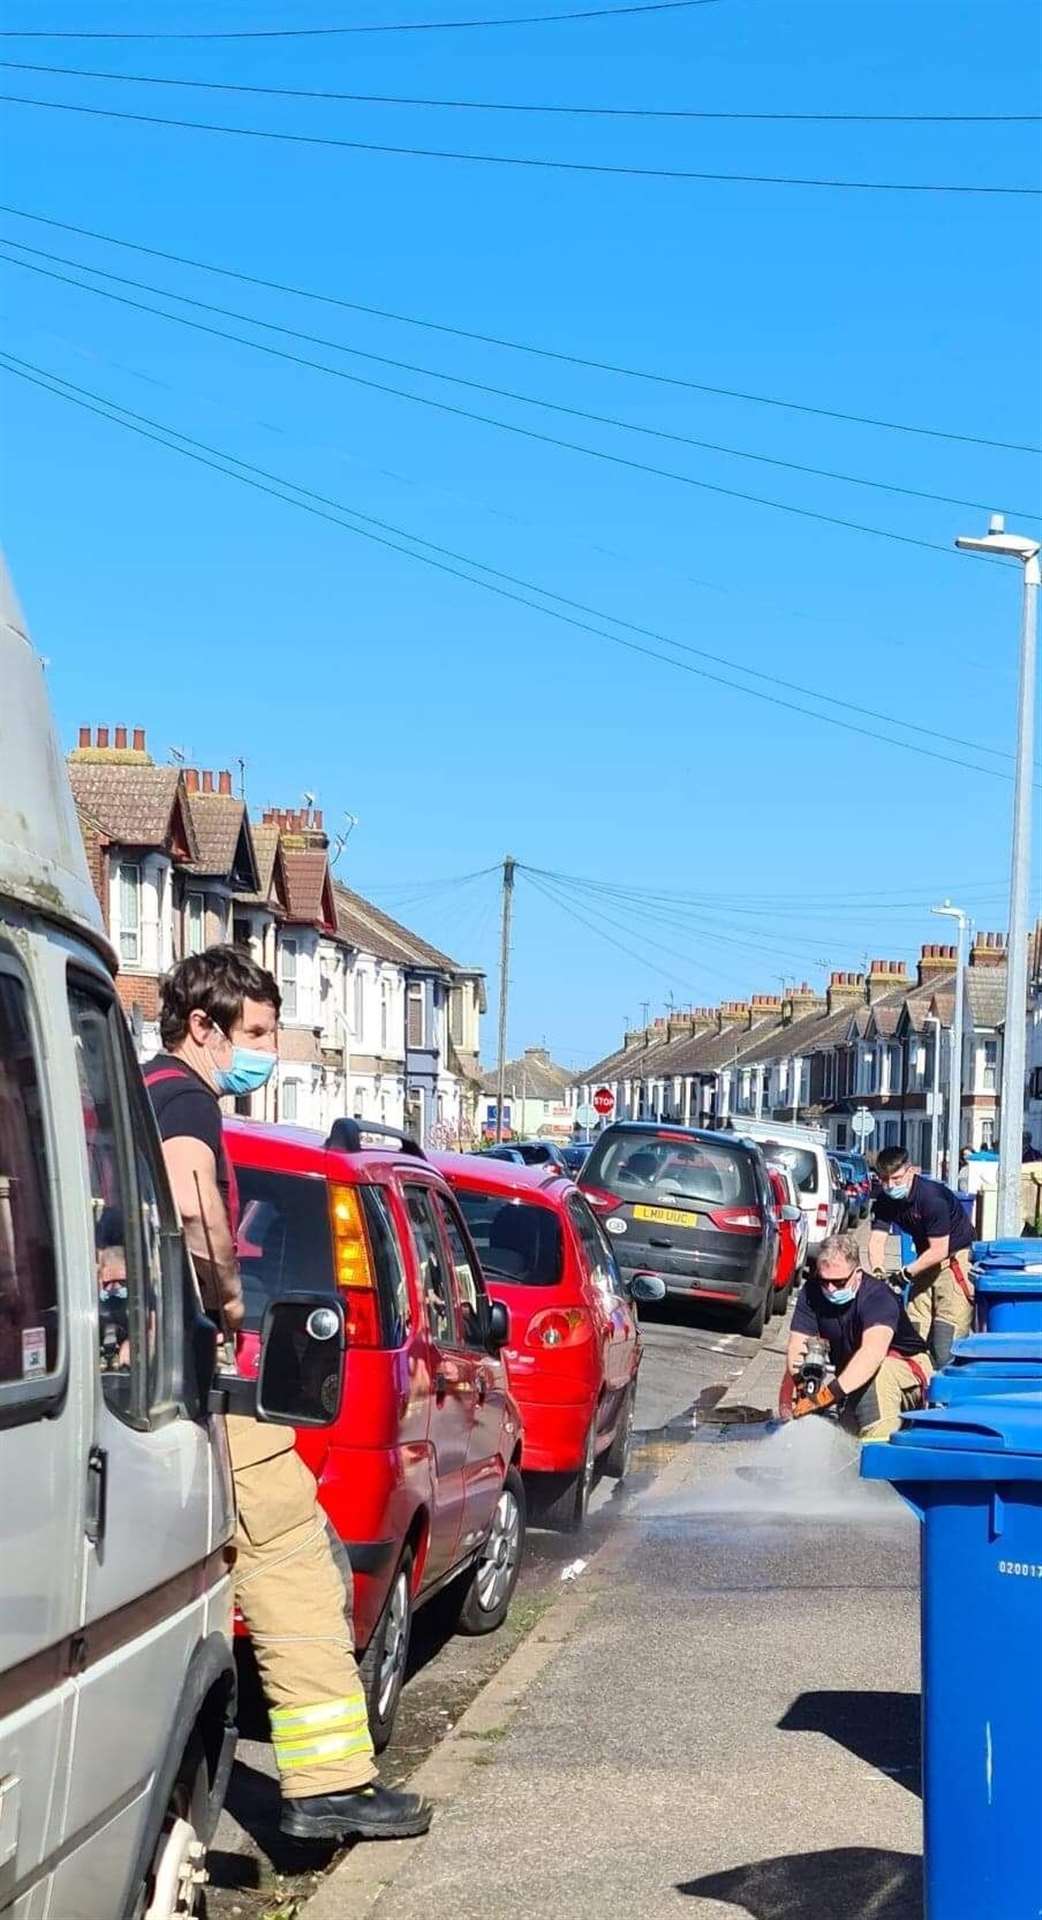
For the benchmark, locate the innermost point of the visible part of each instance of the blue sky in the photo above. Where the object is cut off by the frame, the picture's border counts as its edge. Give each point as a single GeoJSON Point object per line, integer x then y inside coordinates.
{"type": "Point", "coordinates": [458, 725]}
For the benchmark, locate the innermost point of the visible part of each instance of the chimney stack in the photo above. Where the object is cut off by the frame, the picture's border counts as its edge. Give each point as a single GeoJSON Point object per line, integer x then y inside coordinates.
{"type": "Point", "coordinates": [989, 950]}
{"type": "Point", "coordinates": [934, 961]}
{"type": "Point", "coordinates": [886, 976]}
{"type": "Point", "coordinates": [845, 990]}
{"type": "Point", "coordinates": [800, 1002]}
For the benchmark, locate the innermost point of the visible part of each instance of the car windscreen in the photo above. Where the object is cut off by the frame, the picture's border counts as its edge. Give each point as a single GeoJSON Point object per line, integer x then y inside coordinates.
{"type": "Point", "coordinates": [802, 1163]}
{"type": "Point", "coordinates": [515, 1242]}
{"type": "Point", "coordinates": [667, 1167]}
{"type": "Point", "coordinates": [284, 1241]}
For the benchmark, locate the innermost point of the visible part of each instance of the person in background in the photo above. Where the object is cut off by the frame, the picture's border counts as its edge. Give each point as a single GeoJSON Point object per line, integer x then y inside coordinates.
{"type": "Point", "coordinates": [940, 1291]}
{"type": "Point", "coordinates": [882, 1366]}
{"type": "Point", "coordinates": [218, 1024]}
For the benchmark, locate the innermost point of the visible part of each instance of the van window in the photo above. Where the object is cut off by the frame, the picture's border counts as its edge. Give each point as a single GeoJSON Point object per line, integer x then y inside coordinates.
{"type": "Point", "coordinates": [138, 1257]}
{"type": "Point", "coordinates": [28, 1276]}
{"type": "Point", "coordinates": [434, 1281]}
{"type": "Point", "coordinates": [284, 1242]}
{"type": "Point", "coordinates": [802, 1163]}
{"type": "Point", "coordinates": [670, 1168]}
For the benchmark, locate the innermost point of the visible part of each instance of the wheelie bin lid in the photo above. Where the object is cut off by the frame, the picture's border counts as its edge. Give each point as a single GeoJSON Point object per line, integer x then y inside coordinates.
{"type": "Point", "coordinates": [997, 1436]}
{"type": "Point", "coordinates": [1008, 1277]}
{"type": "Point", "coordinates": [1017, 1253]}
{"type": "Point", "coordinates": [1001, 1349]}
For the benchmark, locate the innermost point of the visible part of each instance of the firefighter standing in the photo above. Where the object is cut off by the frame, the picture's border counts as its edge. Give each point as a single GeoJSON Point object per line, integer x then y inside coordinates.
{"type": "Point", "coordinates": [940, 1297]}
{"type": "Point", "coordinates": [218, 1024]}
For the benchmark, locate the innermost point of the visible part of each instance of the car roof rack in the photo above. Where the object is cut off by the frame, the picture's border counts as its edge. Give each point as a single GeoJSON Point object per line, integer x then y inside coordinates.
{"type": "Point", "coordinates": [345, 1136]}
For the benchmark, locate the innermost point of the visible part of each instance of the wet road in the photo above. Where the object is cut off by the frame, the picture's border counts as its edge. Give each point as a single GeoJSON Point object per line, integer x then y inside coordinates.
{"type": "Point", "coordinates": [691, 1357]}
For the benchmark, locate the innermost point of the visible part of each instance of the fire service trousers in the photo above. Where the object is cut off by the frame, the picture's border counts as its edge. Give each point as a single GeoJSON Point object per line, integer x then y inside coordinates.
{"type": "Point", "coordinates": [940, 1306]}
{"type": "Point", "coordinates": [291, 1595]}
{"type": "Point", "coordinates": [875, 1412]}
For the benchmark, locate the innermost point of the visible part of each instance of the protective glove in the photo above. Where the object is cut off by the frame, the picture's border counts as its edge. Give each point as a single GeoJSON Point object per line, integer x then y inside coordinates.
{"type": "Point", "coordinates": [830, 1394]}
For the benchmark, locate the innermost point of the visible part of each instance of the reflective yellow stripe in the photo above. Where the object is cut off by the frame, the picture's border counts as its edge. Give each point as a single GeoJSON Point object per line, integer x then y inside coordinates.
{"type": "Point", "coordinates": [334, 1746]}
{"type": "Point", "coordinates": [325, 1713]}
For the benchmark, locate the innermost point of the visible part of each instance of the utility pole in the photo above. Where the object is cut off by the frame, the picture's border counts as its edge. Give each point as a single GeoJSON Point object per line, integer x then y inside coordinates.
{"type": "Point", "coordinates": [509, 866]}
{"type": "Point", "coordinates": [958, 1023]}
{"type": "Point", "coordinates": [1011, 1113]}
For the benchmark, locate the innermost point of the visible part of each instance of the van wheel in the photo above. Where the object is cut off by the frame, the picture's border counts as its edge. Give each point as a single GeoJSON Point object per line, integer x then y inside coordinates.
{"type": "Point", "coordinates": [383, 1665]}
{"type": "Point", "coordinates": [489, 1589]}
{"type": "Point", "coordinates": [565, 1511]}
{"type": "Point", "coordinates": [176, 1884]}
{"type": "Point", "coordinates": [754, 1322]}
{"type": "Point", "coordinates": [620, 1453]}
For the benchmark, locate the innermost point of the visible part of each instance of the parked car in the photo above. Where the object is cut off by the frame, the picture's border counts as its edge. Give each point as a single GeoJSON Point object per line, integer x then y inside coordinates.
{"type": "Point", "coordinates": [804, 1150]}
{"type": "Point", "coordinates": [504, 1152]}
{"type": "Point", "coordinates": [792, 1199]}
{"type": "Point", "coordinates": [574, 1350]}
{"type": "Point", "coordinates": [575, 1156]}
{"type": "Point", "coordinates": [419, 1472]}
{"type": "Point", "coordinates": [858, 1183]}
{"type": "Point", "coordinates": [117, 1675]}
{"type": "Point", "coordinates": [790, 1227]}
{"type": "Point", "coordinates": [537, 1153]}
{"type": "Point", "coordinates": [694, 1207]}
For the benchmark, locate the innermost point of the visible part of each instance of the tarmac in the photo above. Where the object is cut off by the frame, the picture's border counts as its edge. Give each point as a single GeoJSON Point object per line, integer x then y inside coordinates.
{"type": "Point", "coordinates": [720, 1717]}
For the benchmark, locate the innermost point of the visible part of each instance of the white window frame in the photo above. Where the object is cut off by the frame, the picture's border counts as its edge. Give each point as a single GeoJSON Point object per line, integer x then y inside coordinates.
{"type": "Point", "coordinates": [989, 1066]}
{"type": "Point", "coordinates": [289, 1101]}
{"type": "Point", "coordinates": [289, 952]}
{"type": "Point", "coordinates": [415, 996]}
{"type": "Point", "coordinates": [359, 1003]}
{"type": "Point", "coordinates": [385, 1016]}
{"type": "Point", "coordinates": [195, 905]}
{"type": "Point", "coordinates": [129, 934]}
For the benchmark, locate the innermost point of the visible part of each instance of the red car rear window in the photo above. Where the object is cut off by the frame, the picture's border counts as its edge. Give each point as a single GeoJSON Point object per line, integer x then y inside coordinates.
{"type": "Point", "coordinates": [515, 1242]}
{"type": "Point", "coordinates": [284, 1239]}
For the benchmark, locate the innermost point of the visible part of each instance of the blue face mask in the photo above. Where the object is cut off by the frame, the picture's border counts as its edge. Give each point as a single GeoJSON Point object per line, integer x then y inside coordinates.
{"type": "Point", "coordinates": [248, 1073]}
{"type": "Point", "coordinates": [900, 1192]}
{"type": "Point", "coordinates": [839, 1296]}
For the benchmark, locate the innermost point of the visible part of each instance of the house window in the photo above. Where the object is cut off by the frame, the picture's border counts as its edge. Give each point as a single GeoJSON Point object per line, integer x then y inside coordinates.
{"type": "Point", "coordinates": [987, 1135]}
{"type": "Point", "coordinates": [385, 1015]}
{"type": "Point", "coordinates": [456, 1016]}
{"type": "Point", "coordinates": [414, 1016]}
{"type": "Point", "coordinates": [289, 979]}
{"type": "Point", "coordinates": [129, 912]}
{"type": "Point", "coordinates": [242, 935]}
{"type": "Point", "coordinates": [289, 1099]}
{"type": "Point", "coordinates": [195, 916]}
{"type": "Point", "coordinates": [359, 1004]}
{"type": "Point", "coordinates": [989, 1079]}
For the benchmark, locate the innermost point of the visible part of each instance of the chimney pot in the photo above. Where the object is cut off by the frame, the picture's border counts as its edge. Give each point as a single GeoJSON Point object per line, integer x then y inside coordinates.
{"type": "Point", "coordinates": [84, 739]}
{"type": "Point", "coordinates": [317, 816]}
{"type": "Point", "coordinates": [121, 737]}
{"type": "Point", "coordinates": [224, 782]}
{"type": "Point", "coordinates": [103, 736]}
{"type": "Point", "coordinates": [191, 780]}
{"type": "Point", "coordinates": [139, 739]}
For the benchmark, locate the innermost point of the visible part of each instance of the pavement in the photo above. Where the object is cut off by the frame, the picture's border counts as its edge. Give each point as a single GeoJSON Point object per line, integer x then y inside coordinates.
{"type": "Point", "coordinates": [719, 1718]}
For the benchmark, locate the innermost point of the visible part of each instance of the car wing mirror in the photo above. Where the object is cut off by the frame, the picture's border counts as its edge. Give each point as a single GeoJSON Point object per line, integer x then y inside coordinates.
{"type": "Point", "coordinates": [792, 1215]}
{"type": "Point", "coordinates": [497, 1330]}
{"type": "Point", "coordinates": [646, 1286]}
{"type": "Point", "coordinates": [300, 1379]}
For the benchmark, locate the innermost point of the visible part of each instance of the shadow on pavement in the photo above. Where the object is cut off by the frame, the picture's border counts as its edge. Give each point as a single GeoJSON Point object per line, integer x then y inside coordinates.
{"type": "Point", "coordinates": [880, 1728]}
{"type": "Point", "coordinates": [859, 1883]}
{"type": "Point", "coordinates": [253, 1800]}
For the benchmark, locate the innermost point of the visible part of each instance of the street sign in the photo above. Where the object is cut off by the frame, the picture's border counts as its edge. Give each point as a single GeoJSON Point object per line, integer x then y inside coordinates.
{"type": "Point", "coordinates": [585, 1115]}
{"type": "Point", "coordinates": [862, 1125]}
{"type": "Point", "coordinates": [603, 1100]}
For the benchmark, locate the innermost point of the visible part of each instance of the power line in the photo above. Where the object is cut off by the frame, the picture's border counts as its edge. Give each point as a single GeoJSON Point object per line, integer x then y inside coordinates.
{"type": "Point", "coordinates": [310, 33]}
{"type": "Point", "coordinates": [705, 930]}
{"type": "Point", "coordinates": [541, 162]}
{"type": "Point", "coordinates": [489, 420]}
{"type": "Point", "coordinates": [536, 107]}
{"type": "Point", "coordinates": [525, 399]}
{"type": "Point", "coordinates": [573, 914]}
{"type": "Point", "coordinates": [521, 346]}
{"type": "Point", "coordinates": [318, 505]}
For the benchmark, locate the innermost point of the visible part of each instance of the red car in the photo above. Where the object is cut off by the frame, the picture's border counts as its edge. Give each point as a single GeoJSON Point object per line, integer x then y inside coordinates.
{"type": "Point", "coordinates": [788, 1242]}
{"type": "Point", "coordinates": [419, 1474]}
{"type": "Point", "coordinates": [574, 1349]}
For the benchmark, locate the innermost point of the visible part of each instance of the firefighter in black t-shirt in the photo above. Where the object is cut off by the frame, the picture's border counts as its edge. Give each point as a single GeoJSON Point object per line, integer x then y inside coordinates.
{"type": "Point", "coordinates": [882, 1366]}
{"type": "Point", "coordinates": [940, 1291]}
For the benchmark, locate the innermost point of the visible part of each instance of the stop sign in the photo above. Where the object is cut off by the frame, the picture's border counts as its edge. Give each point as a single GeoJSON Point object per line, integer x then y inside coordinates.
{"type": "Point", "coordinates": [603, 1100]}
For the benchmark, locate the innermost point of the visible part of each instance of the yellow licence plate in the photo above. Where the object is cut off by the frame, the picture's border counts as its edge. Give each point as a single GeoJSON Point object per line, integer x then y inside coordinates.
{"type": "Point", "coordinates": [666, 1216]}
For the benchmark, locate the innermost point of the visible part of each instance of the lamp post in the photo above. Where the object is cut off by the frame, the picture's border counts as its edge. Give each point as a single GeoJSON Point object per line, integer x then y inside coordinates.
{"type": "Point", "coordinates": [955, 1064]}
{"type": "Point", "coordinates": [1019, 547]}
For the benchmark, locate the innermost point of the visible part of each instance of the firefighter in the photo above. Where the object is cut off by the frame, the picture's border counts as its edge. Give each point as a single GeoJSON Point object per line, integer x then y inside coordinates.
{"type": "Point", "coordinates": [218, 1025]}
{"type": "Point", "coordinates": [940, 1291]}
{"type": "Point", "coordinates": [882, 1366]}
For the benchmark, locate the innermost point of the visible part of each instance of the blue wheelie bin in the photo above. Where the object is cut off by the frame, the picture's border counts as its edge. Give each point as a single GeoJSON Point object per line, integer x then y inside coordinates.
{"type": "Point", "coordinates": [973, 1475]}
{"type": "Point", "coordinates": [1007, 1276]}
{"type": "Point", "coordinates": [986, 1363]}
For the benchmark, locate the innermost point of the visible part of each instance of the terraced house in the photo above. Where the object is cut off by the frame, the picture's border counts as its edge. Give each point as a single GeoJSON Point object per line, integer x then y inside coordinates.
{"type": "Point", "coordinates": [376, 1023]}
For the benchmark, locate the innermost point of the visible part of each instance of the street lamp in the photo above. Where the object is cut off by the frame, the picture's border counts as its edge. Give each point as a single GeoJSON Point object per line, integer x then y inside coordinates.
{"type": "Point", "coordinates": [1016, 546]}
{"type": "Point", "coordinates": [955, 1065]}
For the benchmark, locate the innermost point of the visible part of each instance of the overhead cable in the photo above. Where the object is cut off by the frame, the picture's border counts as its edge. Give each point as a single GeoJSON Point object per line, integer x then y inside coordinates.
{"type": "Point", "coordinates": [539, 162]}
{"type": "Point", "coordinates": [522, 346]}
{"type": "Point", "coordinates": [388, 26]}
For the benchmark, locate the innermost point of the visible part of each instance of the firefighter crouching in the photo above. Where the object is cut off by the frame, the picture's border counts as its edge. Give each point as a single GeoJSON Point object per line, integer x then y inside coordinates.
{"type": "Point", "coordinates": [880, 1358]}
{"type": "Point", "coordinates": [218, 1025]}
{"type": "Point", "coordinates": [939, 1288]}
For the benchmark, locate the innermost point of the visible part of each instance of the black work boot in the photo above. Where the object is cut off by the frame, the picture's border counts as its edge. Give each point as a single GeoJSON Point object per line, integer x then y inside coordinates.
{"type": "Point", "coordinates": [366, 1813]}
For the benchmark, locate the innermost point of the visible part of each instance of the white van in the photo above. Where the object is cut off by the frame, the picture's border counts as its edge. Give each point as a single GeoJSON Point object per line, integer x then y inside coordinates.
{"type": "Point", "coordinates": [117, 1681]}
{"type": "Point", "coordinates": [804, 1151]}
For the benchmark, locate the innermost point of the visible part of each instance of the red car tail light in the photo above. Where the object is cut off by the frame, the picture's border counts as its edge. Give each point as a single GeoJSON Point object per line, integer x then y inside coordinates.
{"type": "Point", "coordinates": [353, 1266]}
{"type": "Point", "coordinates": [737, 1219]}
{"type": "Point", "coordinates": [823, 1215]}
{"type": "Point", "coordinates": [559, 1327]}
{"type": "Point", "coordinates": [597, 1197]}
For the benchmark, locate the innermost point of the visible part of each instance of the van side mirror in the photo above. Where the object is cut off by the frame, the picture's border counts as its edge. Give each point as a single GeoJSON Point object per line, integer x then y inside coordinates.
{"type": "Point", "coordinates": [498, 1329]}
{"type": "Point", "coordinates": [300, 1378]}
{"type": "Point", "coordinates": [791, 1214]}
